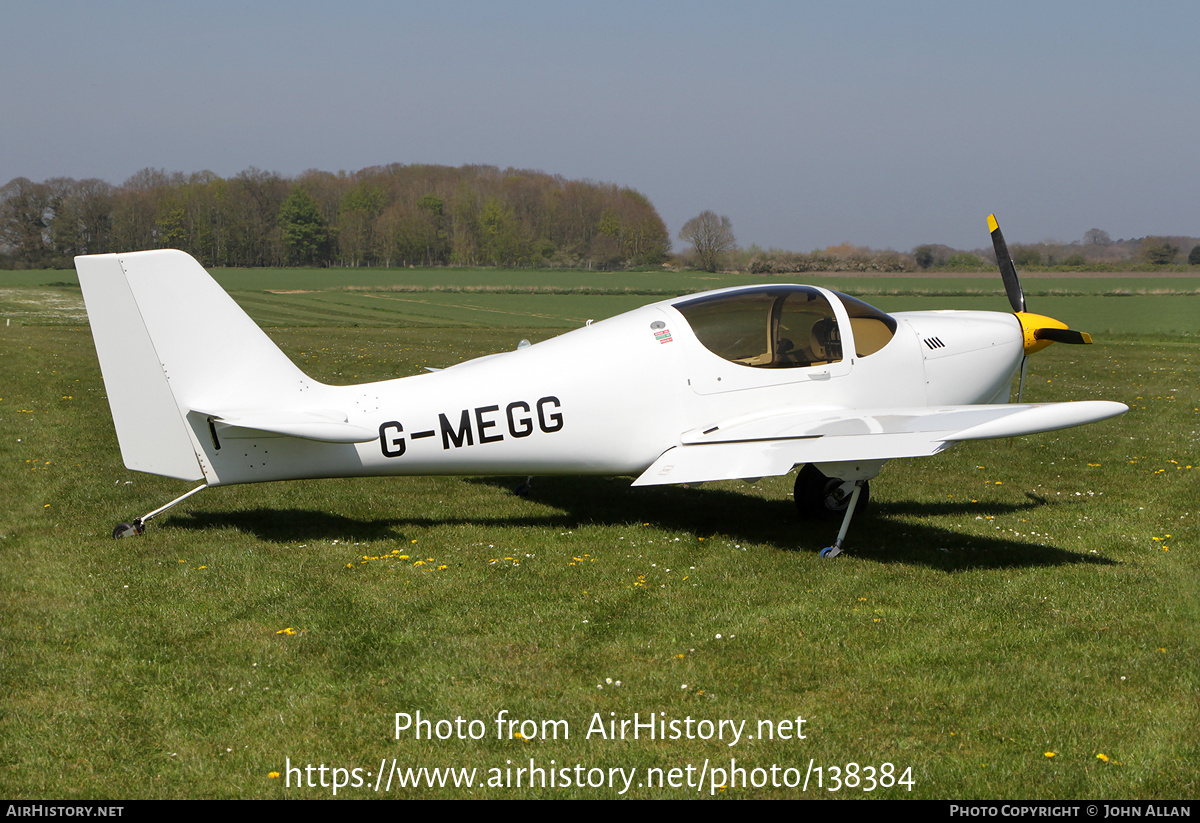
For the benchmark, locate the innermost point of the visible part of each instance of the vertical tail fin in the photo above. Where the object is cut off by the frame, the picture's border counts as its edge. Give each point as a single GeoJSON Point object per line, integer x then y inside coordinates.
{"type": "Point", "coordinates": [170, 341]}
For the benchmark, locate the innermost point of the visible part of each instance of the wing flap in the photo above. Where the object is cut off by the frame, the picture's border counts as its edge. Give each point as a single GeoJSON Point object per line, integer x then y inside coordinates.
{"type": "Point", "coordinates": [772, 445]}
{"type": "Point", "coordinates": [768, 458]}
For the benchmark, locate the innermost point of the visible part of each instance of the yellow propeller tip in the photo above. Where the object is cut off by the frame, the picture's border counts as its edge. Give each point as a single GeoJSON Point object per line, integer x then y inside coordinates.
{"type": "Point", "coordinates": [992, 224]}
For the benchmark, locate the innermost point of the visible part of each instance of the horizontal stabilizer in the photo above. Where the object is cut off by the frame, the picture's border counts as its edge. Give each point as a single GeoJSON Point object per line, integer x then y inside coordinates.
{"type": "Point", "coordinates": [323, 426]}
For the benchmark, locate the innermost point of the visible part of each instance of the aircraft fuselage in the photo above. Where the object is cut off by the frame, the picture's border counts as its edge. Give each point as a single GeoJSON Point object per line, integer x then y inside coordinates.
{"type": "Point", "coordinates": [610, 398]}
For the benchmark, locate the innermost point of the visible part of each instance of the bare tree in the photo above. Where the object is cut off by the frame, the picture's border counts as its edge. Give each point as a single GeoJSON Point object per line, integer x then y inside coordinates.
{"type": "Point", "coordinates": [711, 236]}
{"type": "Point", "coordinates": [1097, 237]}
{"type": "Point", "coordinates": [26, 212]}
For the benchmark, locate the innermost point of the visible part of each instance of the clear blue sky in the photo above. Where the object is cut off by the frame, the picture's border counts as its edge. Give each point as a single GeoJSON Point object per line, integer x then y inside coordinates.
{"type": "Point", "coordinates": [887, 124]}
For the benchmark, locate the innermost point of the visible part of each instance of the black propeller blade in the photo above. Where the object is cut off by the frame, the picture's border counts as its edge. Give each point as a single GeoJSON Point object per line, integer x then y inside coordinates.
{"type": "Point", "coordinates": [1008, 271]}
{"type": "Point", "coordinates": [1062, 335]}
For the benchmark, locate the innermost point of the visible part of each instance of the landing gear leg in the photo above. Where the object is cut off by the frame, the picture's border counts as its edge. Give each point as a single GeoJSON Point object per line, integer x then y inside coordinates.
{"type": "Point", "coordinates": [525, 488]}
{"type": "Point", "coordinates": [836, 548]}
{"type": "Point", "coordinates": [139, 523]}
{"type": "Point", "coordinates": [831, 489]}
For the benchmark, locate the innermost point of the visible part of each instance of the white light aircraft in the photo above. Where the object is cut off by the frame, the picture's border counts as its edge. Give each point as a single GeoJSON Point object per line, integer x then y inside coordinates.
{"type": "Point", "coordinates": [742, 382]}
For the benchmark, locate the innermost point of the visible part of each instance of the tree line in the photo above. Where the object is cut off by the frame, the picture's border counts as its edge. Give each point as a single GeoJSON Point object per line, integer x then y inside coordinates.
{"type": "Point", "coordinates": [396, 215]}
{"type": "Point", "coordinates": [714, 246]}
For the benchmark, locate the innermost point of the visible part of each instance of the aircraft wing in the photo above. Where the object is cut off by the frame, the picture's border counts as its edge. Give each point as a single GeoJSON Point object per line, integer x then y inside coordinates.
{"type": "Point", "coordinates": [769, 445]}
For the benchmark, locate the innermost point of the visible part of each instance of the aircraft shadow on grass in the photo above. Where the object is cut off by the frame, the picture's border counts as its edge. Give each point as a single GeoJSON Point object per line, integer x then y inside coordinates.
{"type": "Point", "coordinates": [888, 533]}
{"type": "Point", "coordinates": [291, 525]}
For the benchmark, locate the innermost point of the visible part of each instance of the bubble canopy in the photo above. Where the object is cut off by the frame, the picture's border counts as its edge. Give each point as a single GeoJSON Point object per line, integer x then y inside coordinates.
{"type": "Point", "coordinates": [783, 327]}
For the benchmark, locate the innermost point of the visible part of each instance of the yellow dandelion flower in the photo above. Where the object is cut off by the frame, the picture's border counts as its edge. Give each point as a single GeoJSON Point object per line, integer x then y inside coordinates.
{"type": "Point", "coordinates": [1102, 756]}
{"type": "Point", "coordinates": [273, 775]}
{"type": "Point", "coordinates": [1049, 754]}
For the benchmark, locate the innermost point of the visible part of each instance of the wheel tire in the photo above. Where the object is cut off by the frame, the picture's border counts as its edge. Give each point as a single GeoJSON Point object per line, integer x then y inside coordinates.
{"type": "Point", "coordinates": [818, 496]}
{"type": "Point", "coordinates": [127, 530]}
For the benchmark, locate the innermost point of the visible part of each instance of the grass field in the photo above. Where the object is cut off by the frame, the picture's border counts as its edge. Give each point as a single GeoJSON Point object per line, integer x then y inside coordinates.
{"type": "Point", "coordinates": [1014, 619]}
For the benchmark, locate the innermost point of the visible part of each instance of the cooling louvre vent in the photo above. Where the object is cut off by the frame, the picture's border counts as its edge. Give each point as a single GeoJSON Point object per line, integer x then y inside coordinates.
{"type": "Point", "coordinates": [934, 343]}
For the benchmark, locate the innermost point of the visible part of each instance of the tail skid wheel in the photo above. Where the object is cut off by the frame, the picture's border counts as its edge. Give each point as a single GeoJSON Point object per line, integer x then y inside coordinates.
{"type": "Point", "coordinates": [139, 523]}
{"type": "Point", "coordinates": [128, 529]}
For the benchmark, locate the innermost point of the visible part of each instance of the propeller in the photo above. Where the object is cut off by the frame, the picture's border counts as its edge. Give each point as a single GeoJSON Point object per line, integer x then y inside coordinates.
{"type": "Point", "coordinates": [1039, 331]}
{"type": "Point", "coordinates": [1008, 269]}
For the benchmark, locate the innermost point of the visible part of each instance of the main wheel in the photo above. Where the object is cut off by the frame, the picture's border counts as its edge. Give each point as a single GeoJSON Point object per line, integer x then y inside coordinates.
{"type": "Point", "coordinates": [827, 497]}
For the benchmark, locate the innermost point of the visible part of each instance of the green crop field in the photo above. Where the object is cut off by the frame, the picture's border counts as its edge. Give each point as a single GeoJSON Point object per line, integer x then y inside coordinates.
{"type": "Point", "coordinates": [1013, 619]}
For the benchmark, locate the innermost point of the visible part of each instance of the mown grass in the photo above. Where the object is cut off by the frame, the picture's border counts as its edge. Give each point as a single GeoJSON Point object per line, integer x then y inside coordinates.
{"type": "Point", "coordinates": [1003, 602]}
